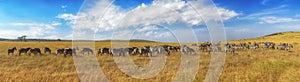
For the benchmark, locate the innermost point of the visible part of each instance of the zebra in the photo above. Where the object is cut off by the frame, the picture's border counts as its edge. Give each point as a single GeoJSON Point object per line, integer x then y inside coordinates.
{"type": "Point", "coordinates": [23, 50]}
{"type": "Point", "coordinates": [104, 50]}
{"type": "Point", "coordinates": [187, 50]}
{"type": "Point", "coordinates": [87, 50]}
{"type": "Point", "coordinates": [60, 51]}
{"type": "Point", "coordinates": [204, 47]}
{"type": "Point", "coordinates": [118, 51]}
{"type": "Point", "coordinates": [132, 50]}
{"type": "Point", "coordinates": [11, 51]}
{"type": "Point", "coordinates": [147, 50]}
{"type": "Point", "coordinates": [230, 48]}
{"type": "Point", "coordinates": [288, 48]}
{"type": "Point", "coordinates": [253, 47]}
{"type": "Point", "coordinates": [282, 46]}
{"type": "Point", "coordinates": [70, 51]}
{"type": "Point", "coordinates": [285, 46]}
{"type": "Point", "coordinates": [35, 51]}
{"type": "Point", "coordinates": [269, 45]}
{"type": "Point", "coordinates": [162, 50]}
{"type": "Point", "coordinates": [169, 48]}
{"type": "Point", "coordinates": [46, 49]}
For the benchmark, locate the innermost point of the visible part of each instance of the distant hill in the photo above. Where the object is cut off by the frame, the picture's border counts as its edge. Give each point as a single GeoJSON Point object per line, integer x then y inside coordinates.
{"type": "Point", "coordinates": [132, 40]}
{"type": "Point", "coordinates": [277, 37]}
{"type": "Point", "coordinates": [282, 35]}
{"type": "Point", "coordinates": [1, 39]}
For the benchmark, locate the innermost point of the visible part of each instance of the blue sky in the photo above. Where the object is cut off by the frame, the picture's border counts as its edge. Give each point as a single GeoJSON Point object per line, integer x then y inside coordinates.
{"type": "Point", "coordinates": [55, 19]}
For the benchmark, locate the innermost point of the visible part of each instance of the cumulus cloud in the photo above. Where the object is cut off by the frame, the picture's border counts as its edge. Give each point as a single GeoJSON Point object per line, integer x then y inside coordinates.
{"type": "Point", "coordinates": [143, 18]}
{"type": "Point", "coordinates": [270, 16]}
{"type": "Point", "coordinates": [147, 28]}
{"type": "Point", "coordinates": [37, 25]}
{"type": "Point", "coordinates": [160, 11]}
{"type": "Point", "coordinates": [122, 34]}
{"type": "Point", "coordinates": [227, 14]}
{"type": "Point", "coordinates": [32, 30]}
{"type": "Point", "coordinates": [164, 35]}
{"type": "Point", "coordinates": [273, 20]}
{"type": "Point", "coordinates": [265, 12]}
{"type": "Point", "coordinates": [155, 35]}
{"type": "Point", "coordinates": [66, 16]}
{"type": "Point", "coordinates": [160, 35]}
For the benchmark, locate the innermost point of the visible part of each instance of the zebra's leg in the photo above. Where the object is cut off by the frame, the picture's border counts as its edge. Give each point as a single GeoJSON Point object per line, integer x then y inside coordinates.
{"type": "Point", "coordinates": [150, 54]}
{"type": "Point", "coordinates": [99, 53]}
{"type": "Point", "coordinates": [111, 54]}
{"type": "Point", "coordinates": [65, 55]}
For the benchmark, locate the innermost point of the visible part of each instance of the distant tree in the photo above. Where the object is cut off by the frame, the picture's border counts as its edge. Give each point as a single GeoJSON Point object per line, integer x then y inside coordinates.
{"type": "Point", "coordinates": [20, 38]}
{"type": "Point", "coordinates": [58, 39]}
{"type": "Point", "coordinates": [23, 38]}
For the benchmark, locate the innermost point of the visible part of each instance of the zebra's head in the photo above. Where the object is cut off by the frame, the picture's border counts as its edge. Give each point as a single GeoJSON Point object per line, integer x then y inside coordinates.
{"type": "Point", "coordinates": [14, 48]}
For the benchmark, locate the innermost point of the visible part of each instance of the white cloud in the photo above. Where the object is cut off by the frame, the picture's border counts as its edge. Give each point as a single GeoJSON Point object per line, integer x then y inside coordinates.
{"type": "Point", "coordinates": [32, 30]}
{"type": "Point", "coordinates": [39, 25]}
{"type": "Point", "coordinates": [273, 20]}
{"type": "Point", "coordinates": [158, 35]}
{"type": "Point", "coordinates": [160, 11]}
{"type": "Point", "coordinates": [265, 12]}
{"type": "Point", "coordinates": [66, 16]}
{"type": "Point", "coordinates": [22, 24]}
{"type": "Point", "coordinates": [164, 35]}
{"type": "Point", "coordinates": [147, 28]}
{"type": "Point", "coordinates": [154, 35]}
{"type": "Point", "coordinates": [258, 30]}
{"type": "Point", "coordinates": [270, 16]}
{"type": "Point", "coordinates": [227, 14]}
{"type": "Point", "coordinates": [56, 24]}
{"type": "Point", "coordinates": [122, 34]}
{"type": "Point", "coordinates": [148, 34]}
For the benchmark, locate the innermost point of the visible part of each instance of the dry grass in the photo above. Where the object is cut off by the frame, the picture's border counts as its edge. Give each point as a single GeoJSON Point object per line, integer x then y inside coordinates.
{"type": "Point", "coordinates": [245, 66]}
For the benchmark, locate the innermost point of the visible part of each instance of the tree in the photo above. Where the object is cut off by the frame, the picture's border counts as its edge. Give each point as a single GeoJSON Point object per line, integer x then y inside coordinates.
{"type": "Point", "coordinates": [20, 38]}
{"type": "Point", "coordinates": [23, 38]}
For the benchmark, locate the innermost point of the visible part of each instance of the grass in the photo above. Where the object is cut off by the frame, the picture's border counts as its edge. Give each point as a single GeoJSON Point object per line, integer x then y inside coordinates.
{"type": "Point", "coordinates": [245, 66]}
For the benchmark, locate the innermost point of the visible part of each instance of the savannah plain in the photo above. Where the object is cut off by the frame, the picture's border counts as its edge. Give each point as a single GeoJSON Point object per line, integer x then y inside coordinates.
{"type": "Point", "coordinates": [261, 65]}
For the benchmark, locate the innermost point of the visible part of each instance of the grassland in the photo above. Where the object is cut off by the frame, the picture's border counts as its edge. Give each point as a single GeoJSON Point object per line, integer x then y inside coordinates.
{"type": "Point", "coordinates": [244, 66]}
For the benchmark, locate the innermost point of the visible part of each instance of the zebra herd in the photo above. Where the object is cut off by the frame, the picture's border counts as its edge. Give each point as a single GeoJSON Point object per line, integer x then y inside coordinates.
{"type": "Point", "coordinates": [163, 49]}
{"type": "Point", "coordinates": [28, 51]}
{"type": "Point", "coordinates": [146, 50]}
{"type": "Point", "coordinates": [207, 47]}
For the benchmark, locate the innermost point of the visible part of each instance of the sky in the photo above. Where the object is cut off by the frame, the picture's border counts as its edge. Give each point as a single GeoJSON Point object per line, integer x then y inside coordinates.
{"type": "Point", "coordinates": [158, 20]}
